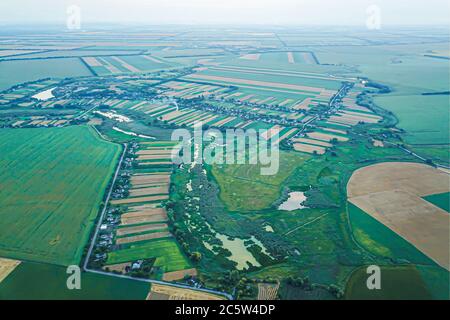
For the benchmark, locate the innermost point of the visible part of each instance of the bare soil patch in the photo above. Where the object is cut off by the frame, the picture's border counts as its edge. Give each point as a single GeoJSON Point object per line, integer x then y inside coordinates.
{"type": "Point", "coordinates": [6, 267]}
{"type": "Point", "coordinates": [179, 275]}
{"type": "Point", "coordinates": [161, 292]}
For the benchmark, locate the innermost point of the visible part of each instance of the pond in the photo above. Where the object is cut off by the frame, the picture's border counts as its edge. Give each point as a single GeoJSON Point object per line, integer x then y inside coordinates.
{"type": "Point", "coordinates": [294, 202]}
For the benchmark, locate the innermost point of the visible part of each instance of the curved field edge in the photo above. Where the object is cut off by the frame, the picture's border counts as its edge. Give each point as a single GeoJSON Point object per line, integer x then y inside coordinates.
{"type": "Point", "coordinates": [63, 173]}
{"type": "Point", "coordinates": [38, 281]}
{"type": "Point", "coordinates": [396, 282]}
{"type": "Point", "coordinates": [384, 244]}
{"type": "Point", "coordinates": [441, 200]}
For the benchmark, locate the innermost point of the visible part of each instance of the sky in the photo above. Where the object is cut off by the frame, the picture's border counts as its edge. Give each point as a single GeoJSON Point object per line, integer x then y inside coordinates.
{"type": "Point", "coordinates": [254, 12]}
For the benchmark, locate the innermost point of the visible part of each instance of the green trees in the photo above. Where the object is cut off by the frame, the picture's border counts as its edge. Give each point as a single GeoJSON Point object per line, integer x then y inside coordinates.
{"type": "Point", "coordinates": [196, 256]}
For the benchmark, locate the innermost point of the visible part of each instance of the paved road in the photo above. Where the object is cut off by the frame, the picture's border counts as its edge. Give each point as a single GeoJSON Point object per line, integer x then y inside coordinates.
{"type": "Point", "coordinates": [105, 207]}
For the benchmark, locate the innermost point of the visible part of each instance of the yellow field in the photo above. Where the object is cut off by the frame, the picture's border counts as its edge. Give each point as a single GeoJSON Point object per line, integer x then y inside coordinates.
{"type": "Point", "coordinates": [154, 157]}
{"type": "Point", "coordinates": [126, 65]}
{"type": "Point", "coordinates": [377, 143]}
{"type": "Point", "coordinates": [161, 292]}
{"type": "Point", "coordinates": [92, 62]}
{"type": "Point", "coordinates": [155, 152]}
{"type": "Point", "coordinates": [149, 178]}
{"type": "Point", "coordinates": [144, 216]}
{"type": "Point", "coordinates": [268, 291]}
{"type": "Point", "coordinates": [6, 267]}
{"type": "Point", "coordinates": [155, 163]}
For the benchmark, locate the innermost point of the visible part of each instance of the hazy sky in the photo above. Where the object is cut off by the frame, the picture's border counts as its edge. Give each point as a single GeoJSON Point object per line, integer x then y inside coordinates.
{"type": "Point", "coordinates": [299, 12]}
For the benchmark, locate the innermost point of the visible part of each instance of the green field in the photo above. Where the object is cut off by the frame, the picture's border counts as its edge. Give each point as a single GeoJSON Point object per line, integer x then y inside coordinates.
{"type": "Point", "coordinates": [433, 127]}
{"type": "Point", "coordinates": [294, 79]}
{"type": "Point", "coordinates": [35, 281]}
{"type": "Point", "coordinates": [52, 182]}
{"type": "Point", "coordinates": [380, 240]}
{"type": "Point", "coordinates": [166, 251]}
{"type": "Point", "coordinates": [30, 70]}
{"type": "Point", "coordinates": [139, 62]}
{"type": "Point", "coordinates": [397, 283]}
{"type": "Point", "coordinates": [243, 188]}
{"type": "Point", "coordinates": [441, 200]}
{"type": "Point", "coordinates": [409, 74]}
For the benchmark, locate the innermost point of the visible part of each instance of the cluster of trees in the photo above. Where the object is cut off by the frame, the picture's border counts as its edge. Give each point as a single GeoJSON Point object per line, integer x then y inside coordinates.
{"type": "Point", "coordinates": [179, 234]}
{"type": "Point", "coordinates": [380, 87]}
{"type": "Point", "coordinates": [305, 284]}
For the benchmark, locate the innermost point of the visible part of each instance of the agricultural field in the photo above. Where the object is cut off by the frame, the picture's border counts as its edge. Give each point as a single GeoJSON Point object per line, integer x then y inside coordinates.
{"type": "Point", "coordinates": [107, 65]}
{"type": "Point", "coordinates": [161, 292]}
{"type": "Point", "coordinates": [23, 71]}
{"type": "Point", "coordinates": [48, 217]}
{"type": "Point", "coordinates": [50, 284]}
{"type": "Point", "coordinates": [166, 252]}
{"type": "Point", "coordinates": [377, 191]}
{"type": "Point", "coordinates": [410, 75]}
{"type": "Point", "coordinates": [360, 120]}
{"type": "Point", "coordinates": [142, 231]}
{"type": "Point", "coordinates": [398, 283]}
{"type": "Point", "coordinates": [243, 188]}
{"type": "Point", "coordinates": [440, 200]}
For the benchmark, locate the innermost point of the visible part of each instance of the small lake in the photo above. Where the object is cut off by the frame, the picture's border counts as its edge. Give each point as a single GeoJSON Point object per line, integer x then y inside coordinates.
{"type": "Point", "coordinates": [239, 252]}
{"type": "Point", "coordinates": [133, 133]}
{"type": "Point", "coordinates": [294, 202]}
